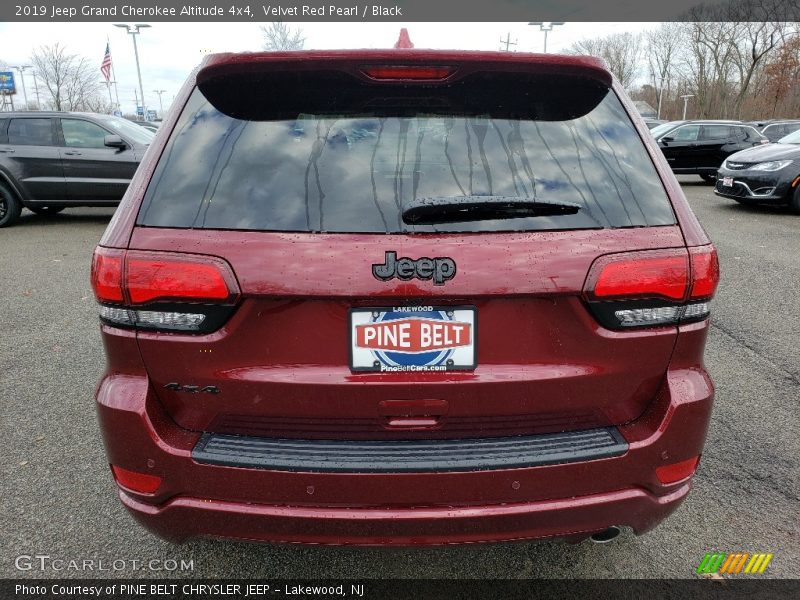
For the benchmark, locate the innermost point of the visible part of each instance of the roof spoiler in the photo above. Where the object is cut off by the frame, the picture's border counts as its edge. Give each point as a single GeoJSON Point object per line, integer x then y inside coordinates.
{"type": "Point", "coordinates": [358, 63]}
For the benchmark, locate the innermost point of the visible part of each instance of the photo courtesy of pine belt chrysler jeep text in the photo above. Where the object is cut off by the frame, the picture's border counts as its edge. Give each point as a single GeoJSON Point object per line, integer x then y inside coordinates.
{"type": "Point", "coordinates": [403, 297]}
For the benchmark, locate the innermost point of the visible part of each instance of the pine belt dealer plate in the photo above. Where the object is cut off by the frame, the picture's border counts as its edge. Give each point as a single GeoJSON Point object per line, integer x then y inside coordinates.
{"type": "Point", "coordinates": [413, 339]}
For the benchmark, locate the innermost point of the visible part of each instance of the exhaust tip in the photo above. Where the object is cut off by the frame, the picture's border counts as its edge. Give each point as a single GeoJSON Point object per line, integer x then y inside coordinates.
{"type": "Point", "coordinates": [605, 536]}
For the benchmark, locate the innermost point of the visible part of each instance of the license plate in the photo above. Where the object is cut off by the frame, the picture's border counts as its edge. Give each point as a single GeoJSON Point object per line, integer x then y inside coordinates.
{"type": "Point", "coordinates": [413, 339]}
{"type": "Point", "coordinates": [727, 181]}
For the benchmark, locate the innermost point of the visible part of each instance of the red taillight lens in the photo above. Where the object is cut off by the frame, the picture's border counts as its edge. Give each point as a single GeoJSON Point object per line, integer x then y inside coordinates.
{"type": "Point", "coordinates": [392, 72]}
{"type": "Point", "coordinates": [177, 277]}
{"type": "Point", "coordinates": [649, 274]}
{"type": "Point", "coordinates": [652, 288]}
{"type": "Point", "coordinates": [705, 272]}
{"type": "Point", "coordinates": [677, 471]}
{"type": "Point", "coordinates": [165, 291]}
{"type": "Point", "coordinates": [107, 274]}
{"type": "Point", "coordinates": [136, 482]}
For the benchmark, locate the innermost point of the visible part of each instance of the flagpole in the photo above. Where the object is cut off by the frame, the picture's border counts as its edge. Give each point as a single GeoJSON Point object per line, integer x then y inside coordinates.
{"type": "Point", "coordinates": [113, 76]}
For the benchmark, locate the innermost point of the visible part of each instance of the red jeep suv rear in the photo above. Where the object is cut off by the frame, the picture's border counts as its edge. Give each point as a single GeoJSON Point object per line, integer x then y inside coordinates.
{"type": "Point", "coordinates": [403, 297]}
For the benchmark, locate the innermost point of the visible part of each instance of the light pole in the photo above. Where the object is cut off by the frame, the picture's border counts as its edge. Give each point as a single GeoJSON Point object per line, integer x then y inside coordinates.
{"type": "Point", "coordinates": [108, 87]}
{"type": "Point", "coordinates": [160, 103]}
{"type": "Point", "coordinates": [546, 26]}
{"type": "Point", "coordinates": [21, 70]}
{"type": "Point", "coordinates": [133, 30]}
{"type": "Point", "coordinates": [36, 89]}
{"type": "Point", "coordinates": [685, 102]}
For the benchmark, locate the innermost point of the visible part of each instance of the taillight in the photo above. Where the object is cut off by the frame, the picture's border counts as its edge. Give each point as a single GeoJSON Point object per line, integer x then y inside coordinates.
{"type": "Point", "coordinates": [705, 272]}
{"type": "Point", "coordinates": [653, 287]}
{"type": "Point", "coordinates": [652, 274]}
{"type": "Point", "coordinates": [142, 483]}
{"type": "Point", "coordinates": [400, 72]}
{"type": "Point", "coordinates": [107, 274]}
{"type": "Point", "coordinates": [163, 290]}
{"type": "Point", "coordinates": [155, 276]}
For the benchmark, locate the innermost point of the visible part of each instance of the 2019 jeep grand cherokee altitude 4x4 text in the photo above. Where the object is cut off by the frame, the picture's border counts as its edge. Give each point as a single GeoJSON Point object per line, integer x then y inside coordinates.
{"type": "Point", "coordinates": [403, 297]}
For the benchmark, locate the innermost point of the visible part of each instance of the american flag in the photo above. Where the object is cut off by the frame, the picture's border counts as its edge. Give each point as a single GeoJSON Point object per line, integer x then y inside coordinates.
{"type": "Point", "coordinates": [105, 68]}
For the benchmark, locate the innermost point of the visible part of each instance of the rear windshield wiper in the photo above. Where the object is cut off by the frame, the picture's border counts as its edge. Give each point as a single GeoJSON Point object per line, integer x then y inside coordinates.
{"type": "Point", "coordinates": [454, 209]}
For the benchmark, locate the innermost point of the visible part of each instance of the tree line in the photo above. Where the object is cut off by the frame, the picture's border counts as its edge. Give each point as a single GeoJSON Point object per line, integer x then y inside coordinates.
{"type": "Point", "coordinates": [738, 61]}
{"type": "Point", "coordinates": [734, 69]}
{"type": "Point", "coordinates": [64, 81]}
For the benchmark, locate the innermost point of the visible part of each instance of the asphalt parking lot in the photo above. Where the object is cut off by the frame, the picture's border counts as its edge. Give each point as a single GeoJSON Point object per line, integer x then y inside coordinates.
{"type": "Point", "coordinates": [58, 499]}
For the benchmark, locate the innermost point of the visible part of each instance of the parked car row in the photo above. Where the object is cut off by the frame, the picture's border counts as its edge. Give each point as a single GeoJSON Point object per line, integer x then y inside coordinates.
{"type": "Point", "coordinates": [775, 129]}
{"type": "Point", "coordinates": [53, 160]}
{"type": "Point", "coordinates": [753, 163]}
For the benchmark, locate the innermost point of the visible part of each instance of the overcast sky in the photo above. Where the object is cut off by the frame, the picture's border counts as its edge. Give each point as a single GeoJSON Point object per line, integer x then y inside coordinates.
{"type": "Point", "coordinates": [169, 51]}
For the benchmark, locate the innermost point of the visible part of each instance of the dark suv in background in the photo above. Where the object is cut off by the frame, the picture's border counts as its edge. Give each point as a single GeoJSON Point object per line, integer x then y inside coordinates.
{"type": "Point", "coordinates": [403, 297]}
{"type": "Point", "coordinates": [50, 161]}
{"type": "Point", "coordinates": [775, 129]}
{"type": "Point", "coordinates": [699, 147]}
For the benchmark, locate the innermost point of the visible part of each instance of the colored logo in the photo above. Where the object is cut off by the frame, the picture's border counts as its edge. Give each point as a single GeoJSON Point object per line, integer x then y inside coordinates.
{"type": "Point", "coordinates": [413, 338]}
{"type": "Point", "coordinates": [413, 335]}
{"type": "Point", "coordinates": [734, 563]}
{"type": "Point", "coordinates": [7, 82]}
{"type": "Point", "coordinates": [427, 339]}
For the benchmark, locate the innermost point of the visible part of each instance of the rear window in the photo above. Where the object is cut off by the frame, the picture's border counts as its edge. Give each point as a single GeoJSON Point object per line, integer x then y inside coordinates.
{"type": "Point", "coordinates": [295, 153]}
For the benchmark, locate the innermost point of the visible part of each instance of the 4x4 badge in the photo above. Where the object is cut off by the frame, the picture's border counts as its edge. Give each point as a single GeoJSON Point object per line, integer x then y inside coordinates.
{"type": "Point", "coordinates": [439, 269]}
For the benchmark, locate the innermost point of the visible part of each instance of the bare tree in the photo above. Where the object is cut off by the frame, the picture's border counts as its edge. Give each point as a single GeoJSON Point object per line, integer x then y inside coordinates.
{"type": "Point", "coordinates": [98, 103]}
{"type": "Point", "coordinates": [707, 62]}
{"type": "Point", "coordinates": [737, 59]}
{"type": "Point", "coordinates": [729, 46]}
{"type": "Point", "coordinates": [70, 81]}
{"type": "Point", "coordinates": [620, 51]}
{"type": "Point", "coordinates": [279, 36]}
{"type": "Point", "coordinates": [758, 40]}
{"type": "Point", "coordinates": [782, 75]}
{"type": "Point", "coordinates": [663, 45]}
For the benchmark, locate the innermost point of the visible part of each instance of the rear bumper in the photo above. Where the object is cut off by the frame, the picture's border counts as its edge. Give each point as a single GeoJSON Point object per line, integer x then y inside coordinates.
{"type": "Point", "coordinates": [571, 499]}
{"type": "Point", "coordinates": [181, 518]}
{"type": "Point", "coordinates": [409, 456]}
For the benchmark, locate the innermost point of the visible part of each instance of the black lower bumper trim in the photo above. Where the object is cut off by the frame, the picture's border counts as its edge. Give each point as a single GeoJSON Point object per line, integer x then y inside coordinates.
{"type": "Point", "coordinates": [408, 456]}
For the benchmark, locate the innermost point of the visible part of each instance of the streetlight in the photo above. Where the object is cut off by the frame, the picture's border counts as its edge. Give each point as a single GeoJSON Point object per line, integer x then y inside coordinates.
{"type": "Point", "coordinates": [546, 26]}
{"type": "Point", "coordinates": [133, 30]}
{"type": "Point", "coordinates": [36, 89]}
{"type": "Point", "coordinates": [685, 102]}
{"type": "Point", "coordinates": [21, 70]}
{"type": "Point", "coordinates": [160, 103]}
{"type": "Point", "coordinates": [108, 86]}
